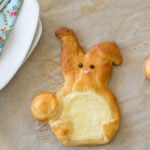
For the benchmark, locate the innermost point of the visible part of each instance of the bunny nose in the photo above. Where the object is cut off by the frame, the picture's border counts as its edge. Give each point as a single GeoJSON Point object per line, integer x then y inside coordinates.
{"type": "Point", "coordinates": [86, 71]}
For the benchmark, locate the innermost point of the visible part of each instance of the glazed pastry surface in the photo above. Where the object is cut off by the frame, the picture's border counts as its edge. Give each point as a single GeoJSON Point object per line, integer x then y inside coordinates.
{"type": "Point", "coordinates": [147, 68]}
{"type": "Point", "coordinates": [84, 111]}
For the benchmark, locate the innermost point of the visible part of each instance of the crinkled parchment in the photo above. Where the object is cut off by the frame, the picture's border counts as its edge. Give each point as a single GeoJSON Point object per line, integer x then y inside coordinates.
{"type": "Point", "coordinates": [126, 22]}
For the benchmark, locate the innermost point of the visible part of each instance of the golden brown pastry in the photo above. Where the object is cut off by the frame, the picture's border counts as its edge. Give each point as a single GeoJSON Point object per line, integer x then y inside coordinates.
{"type": "Point", "coordinates": [147, 68]}
{"type": "Point", "coordinates": [84, 111]}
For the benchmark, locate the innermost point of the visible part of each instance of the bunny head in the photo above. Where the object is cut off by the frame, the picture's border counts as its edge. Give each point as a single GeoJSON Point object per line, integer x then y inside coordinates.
{"type": "Point", "coordinates": [84, 111]}
{"type": "Point", "coordinates": [84, 69]}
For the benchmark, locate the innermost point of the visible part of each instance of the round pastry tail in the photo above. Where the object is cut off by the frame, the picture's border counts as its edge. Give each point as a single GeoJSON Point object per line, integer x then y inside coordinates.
{"type": "Point", "coordinates": [44, 107]}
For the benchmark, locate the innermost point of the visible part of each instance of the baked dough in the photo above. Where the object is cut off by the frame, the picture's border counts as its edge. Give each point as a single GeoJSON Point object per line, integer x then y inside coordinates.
{"type": "Point", "coordinates": [147, 68]}
{"type": "Point", "coordinates": [84, 111]}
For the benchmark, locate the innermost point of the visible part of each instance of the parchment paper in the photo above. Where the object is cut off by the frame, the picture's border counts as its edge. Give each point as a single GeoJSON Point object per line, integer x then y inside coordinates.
{"type": "Point", "coordinates": [123, 21]}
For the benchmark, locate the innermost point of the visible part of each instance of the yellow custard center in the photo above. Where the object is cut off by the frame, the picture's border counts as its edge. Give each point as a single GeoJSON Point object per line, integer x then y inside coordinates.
{"type": "Point", "coordinates": [87, 111]}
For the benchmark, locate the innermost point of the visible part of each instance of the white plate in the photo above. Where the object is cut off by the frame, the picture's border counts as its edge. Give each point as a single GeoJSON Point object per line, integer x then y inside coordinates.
{"type": "Point", "coordinates": [19, 41]}
{"type": "Point", "coordinates": [36, 39]}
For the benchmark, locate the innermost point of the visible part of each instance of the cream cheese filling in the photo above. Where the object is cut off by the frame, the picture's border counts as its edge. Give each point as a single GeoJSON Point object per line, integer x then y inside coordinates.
{"type": "Point", "coordinates": [86, 111]}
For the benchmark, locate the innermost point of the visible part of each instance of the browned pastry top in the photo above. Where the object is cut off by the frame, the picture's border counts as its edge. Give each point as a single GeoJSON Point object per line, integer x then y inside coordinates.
{"type": "Point", "coordinates": [84, 111]}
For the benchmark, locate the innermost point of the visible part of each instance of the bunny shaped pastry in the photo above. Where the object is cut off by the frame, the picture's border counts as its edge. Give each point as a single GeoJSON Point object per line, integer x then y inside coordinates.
{"type": "Point", "coordinates": [84, 111]}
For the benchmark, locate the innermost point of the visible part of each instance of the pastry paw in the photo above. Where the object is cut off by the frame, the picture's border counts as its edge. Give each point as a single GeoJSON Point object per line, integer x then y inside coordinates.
{"type": "Point", "coordinates": [109, 129]}
{"type": "Point", "coordinates": [62, 129]}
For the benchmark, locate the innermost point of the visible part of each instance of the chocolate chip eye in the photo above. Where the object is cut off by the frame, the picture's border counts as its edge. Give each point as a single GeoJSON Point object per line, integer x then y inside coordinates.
{"type": "Point", "coordinates": [92, 66]}
{"type": "Point", "coordinates": [80, 65]}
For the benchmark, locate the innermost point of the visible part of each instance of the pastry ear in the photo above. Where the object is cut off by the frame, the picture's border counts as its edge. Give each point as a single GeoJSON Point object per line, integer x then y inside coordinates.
{"type": "Point", "coordinates": [71, 52]}
{"type": "Point", "coordinates": [111, 51]}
